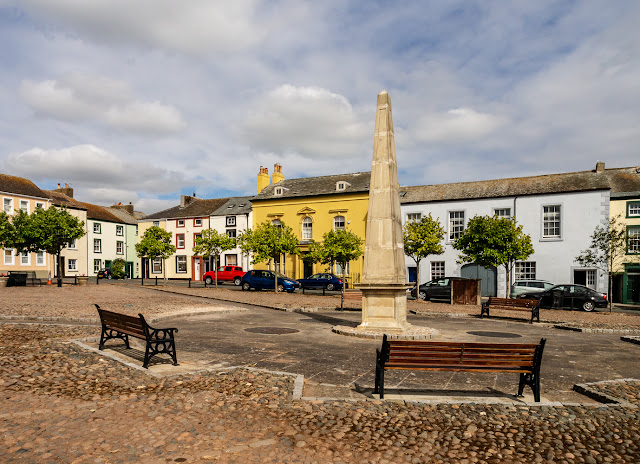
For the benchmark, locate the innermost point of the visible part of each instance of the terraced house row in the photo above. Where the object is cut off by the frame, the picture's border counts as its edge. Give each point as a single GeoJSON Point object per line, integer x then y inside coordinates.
{"type": "Point", "coordinates": [559, 212]}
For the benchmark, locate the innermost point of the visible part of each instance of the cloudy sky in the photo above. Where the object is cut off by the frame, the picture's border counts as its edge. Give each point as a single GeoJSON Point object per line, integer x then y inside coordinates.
{"type": "Point", "coordinates": [145, 100]}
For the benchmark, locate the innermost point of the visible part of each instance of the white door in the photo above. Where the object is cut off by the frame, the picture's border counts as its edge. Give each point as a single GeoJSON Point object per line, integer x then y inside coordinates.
{"type": "Point", "coordinates": [196, 266]}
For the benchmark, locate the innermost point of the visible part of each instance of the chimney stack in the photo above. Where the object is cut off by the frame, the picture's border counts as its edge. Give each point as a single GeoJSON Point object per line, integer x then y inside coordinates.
{"type": "Point", "coordinates": [68, 191]}
{"type": "Point", "coordinates": [263, 179]}
{"type": "Point", "coordinates": [600, 166]}
{"type": "Point", "coordinates": [277, 173]}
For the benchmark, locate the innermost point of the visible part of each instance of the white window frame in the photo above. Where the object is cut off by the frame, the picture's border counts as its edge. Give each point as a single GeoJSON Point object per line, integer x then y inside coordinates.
{"type": "Point", "coordinates": [119, 247]}
{"type": "Point", "coordinates": [7, 208]}
{"type": "Point", "coordinates": [97, 241]}
{"type": "Point", "coordinates": [39, 204]}
{"type": "Point", "coordinates": [278, 191]}
{"type": "Point", "coordinates": [633, 240]}
{"type": "Point", "coordinates": [336, 222]}
{"type": "Point", "coordinates": [26, 209]}
{"type": "Point", "coordinates": [197, 222]}
{"type": "Point", "coordinates": [307, 228]}
{"type": "Point", "coordinates": [136, 230]}
{"type": "Point", "coordinates": [72, 245]}
{"type": "Point", "coordinates": [156, 223]}
{"type": "Point", "coordinates": [341, 185]}
{"type": "Point", "coordinates": [73, 268]}
{"type": "Point", "coordinates": [414, 217]}
{"type": "Point", "coordinates": [232, 233]}
{"type": "Point", "coordinates": [437, 270]}
{"type": "Point", "coordinates": [180, 223]}
{"type": "Point", "coordinates": [525, 270]}
{"type": "Point", "coordinates": [97, 265]}
{"type": "Point", "coordinates": [500, 212]}
{"type": "Point", "coordinates": [39, 261]}
{"type": "Point", "coordinates": [633, 209]}
{"type": "Point", "coordinates": [227, 259]}
{"type": "Point", "coordinates": [178, 240]}
{"type": "Point", "coordinates": [451, 234]}
{"type": "Point", "coordinates": [181, 259]}
{"type": "Point", "coordinates": [231, 221]}
{"type": "Point", "coordinates": [97, 228]}
{"type": "Point", "coordinates": [11, 255]}
{"type": "Point", "coordinates": [156, 262]}
{"type": "Point", "coordinates": [545, 221]}
{"type": "Point", "coordinates": [120, 231]}
{"type": "Point", "coordinates": [27, 255]}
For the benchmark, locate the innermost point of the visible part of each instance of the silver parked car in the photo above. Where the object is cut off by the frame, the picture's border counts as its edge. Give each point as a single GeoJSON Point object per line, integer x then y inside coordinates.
{"type": "Point", "coordinates": [527, 286]}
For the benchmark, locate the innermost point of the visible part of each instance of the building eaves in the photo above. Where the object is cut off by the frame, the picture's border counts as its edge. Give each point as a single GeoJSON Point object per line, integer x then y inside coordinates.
{"type": "Point", "coordinates": [20, 186]}
{"type": "Point", "coordinates": [358, 182]}
{"type": "Point", "coordinates": [615, 180]}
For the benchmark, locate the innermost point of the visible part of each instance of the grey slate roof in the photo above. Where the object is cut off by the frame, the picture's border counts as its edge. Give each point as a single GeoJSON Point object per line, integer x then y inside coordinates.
{"type": "Point", "coordinates": [616, 180]}
{"type": "Point", "coordinates": [196, 207]}
{"type": "Point", "coordinates": [61, 199]}
{"type": "Point", "coordinates": [315, 186]}
{"type": "Point", "coordinates": [233, 206]}
{"type": "Point", "coordinates": [123, 215]}
{"type": "Point", "coordinates": [100, 213]}
{"type": "Point", "coordinates": [20, 186]}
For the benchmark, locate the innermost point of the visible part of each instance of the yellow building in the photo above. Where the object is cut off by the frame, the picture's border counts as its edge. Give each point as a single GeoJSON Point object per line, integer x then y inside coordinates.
{"type": "Point", "coordinates": [626, 205]}
{"type": "Point", "coordinates": [312, 206]}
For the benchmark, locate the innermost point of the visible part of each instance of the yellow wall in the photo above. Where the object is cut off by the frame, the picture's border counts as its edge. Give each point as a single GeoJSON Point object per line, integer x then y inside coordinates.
{"type": "Point", "coordinates": [619, 207]}
{"type": "Point", "coordinates": [321, 210]}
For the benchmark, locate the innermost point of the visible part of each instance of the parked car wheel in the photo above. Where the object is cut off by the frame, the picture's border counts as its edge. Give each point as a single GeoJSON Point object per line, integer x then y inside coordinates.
{"type": "Point", "coordinates": [330, 287]}
{"type": "Point", "coordinates": [280, 288]}
{"type": "Point", "coordinates": [109, 277]}
{"type": "Point", "coordinates": [246, 286]}
{"type": "Point", "coordinates": [208, 280]}
{"type": "Point", "coordinates": [588, 306]}
{"type": "Point", "coordinates": [236, 281]}
{"type": "Point", "coordinates": [423, 296]}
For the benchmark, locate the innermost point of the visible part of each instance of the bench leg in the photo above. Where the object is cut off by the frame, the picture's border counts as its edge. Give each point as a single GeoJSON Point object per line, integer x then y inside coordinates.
{"type": "Point", "coordinates": [381, 383]}
{"type": "Point", "coordinates": [147, 355]}
{"type": "Point", "coordinates": [110, 334]}
{"type": "Point", "coordinates": [533, 381]}
{"type": "Point", "coordinates": [173, 353]}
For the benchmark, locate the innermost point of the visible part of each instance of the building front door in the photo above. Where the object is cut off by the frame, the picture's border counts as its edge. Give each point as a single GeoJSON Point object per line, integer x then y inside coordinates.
{"type": "Point", "coordinates": [196, 269]}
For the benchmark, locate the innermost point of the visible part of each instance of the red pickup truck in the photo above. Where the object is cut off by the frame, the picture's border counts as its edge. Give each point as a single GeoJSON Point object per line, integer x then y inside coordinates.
{"type": "Point", "coordinates": [225, 274]}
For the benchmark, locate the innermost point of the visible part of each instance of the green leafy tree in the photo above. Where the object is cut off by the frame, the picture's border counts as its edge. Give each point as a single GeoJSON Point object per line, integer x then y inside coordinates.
{"type": "Point", "coordinates": [213, 243]}
{"type": "Point", "coordinates": [608, 250]}
{"type": "Point", "coordinates": [155, 243]}
{"type": "Point", "coordinates": [338, 246]}
{"type": "Point", "coordinates": [493, 241]}
{"type": "Point", "coordinates": [117, 268]}
{"type": "Point", "coordinates": [6, 231]}
{"type": "Point", "coordinates": [269, 241]}
{"type": "Point", "coordinates": [421, 239]}
{"type": "Point", "coordinates": [49, 230]}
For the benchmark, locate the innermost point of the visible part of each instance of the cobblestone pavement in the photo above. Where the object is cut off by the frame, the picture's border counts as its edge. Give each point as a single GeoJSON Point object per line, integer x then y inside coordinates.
{"type": "Point", "coordinates": [63, 404]}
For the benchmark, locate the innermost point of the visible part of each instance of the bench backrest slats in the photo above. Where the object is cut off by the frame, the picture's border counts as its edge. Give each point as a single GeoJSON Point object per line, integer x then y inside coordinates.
{"type": "Point", "coordinates": [456, 345]}
{"type": "Point", "coordinates": [127, 324]}
{"type": "Point", "coordinates": [512, 302]}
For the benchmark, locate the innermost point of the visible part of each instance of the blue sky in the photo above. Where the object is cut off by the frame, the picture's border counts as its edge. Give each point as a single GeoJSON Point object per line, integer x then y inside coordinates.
{"type": "Point", "coordinates": [142, 101]}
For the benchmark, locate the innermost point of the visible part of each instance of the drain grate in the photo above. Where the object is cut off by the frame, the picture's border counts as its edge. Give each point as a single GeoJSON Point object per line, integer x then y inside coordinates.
{"type": "Point", "coordinates": [495, 334]}
{"type": "Point", "coordinates": [272, 330]}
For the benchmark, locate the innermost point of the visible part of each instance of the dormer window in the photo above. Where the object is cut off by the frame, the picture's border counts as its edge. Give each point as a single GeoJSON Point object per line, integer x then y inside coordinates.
{"type": "Point", "coordinates": [278, 191]}
{"type": "Point", "coordinates": [341, 185]}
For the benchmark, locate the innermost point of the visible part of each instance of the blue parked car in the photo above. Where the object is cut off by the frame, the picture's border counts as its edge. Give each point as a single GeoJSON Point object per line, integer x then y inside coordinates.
{"type": "Point", "coordinates": [259, 279]}
{"type": "Point", "coordinates": [322, 280]}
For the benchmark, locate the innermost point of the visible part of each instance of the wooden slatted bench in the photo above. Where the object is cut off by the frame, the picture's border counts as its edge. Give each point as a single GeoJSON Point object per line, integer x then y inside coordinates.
{"type": "Point", "coordinates": [355, 295]}
{"type": "Point", "coordinates": [512, 304]}
{"type": "Point", "coordinates": [519, 358]}
{"type": "Point", "coordinates": [158, 341]}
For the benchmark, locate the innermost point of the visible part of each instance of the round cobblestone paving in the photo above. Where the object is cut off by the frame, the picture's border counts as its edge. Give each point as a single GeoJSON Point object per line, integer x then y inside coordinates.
{"type": "Point", "coordinates": [272, 330]}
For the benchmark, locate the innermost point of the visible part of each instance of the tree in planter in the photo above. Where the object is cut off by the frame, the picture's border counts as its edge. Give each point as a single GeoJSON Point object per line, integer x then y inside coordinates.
{"type": "Point", "coordinates": [338, 246]}
{"type": "Point", "coordinates": [156, 243]}
{"type": "Point", "coordinates": [493, 241]}
{"type": "Point", "coordinates": [49, 230]}
{"type": "Point", "coordinates": [608, 250]}
{"type": "Point", "coordinates": [117, 268]}
{"type": "Point", "coordinates": [269, 241]}
{"type": "Point", "coordinates": [421, 239]}
{"type": "Point", "coordinates": [212, 243]}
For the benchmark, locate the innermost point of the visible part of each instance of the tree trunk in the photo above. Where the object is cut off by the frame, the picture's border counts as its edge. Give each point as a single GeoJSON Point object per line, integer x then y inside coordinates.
{"type": "Point", "coordinates": [344, 266]}
{"type": "Point", "coordinates": [508, 269]}
{"type": "Point", "coordinates": [609, 295]}
{"type": "Point", "coordinates": [215, 269]}
{"type": "Point", "coordinates": [275, 274]}
{"type": "Point", "coordinates": [59, 266]}
{"type": "Point", "coordinates": [417, 279]}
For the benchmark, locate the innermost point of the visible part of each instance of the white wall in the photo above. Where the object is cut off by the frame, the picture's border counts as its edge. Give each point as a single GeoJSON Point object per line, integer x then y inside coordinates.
{"type": "Point", "coordinates": [243, 222]}
{"type": "Point", "coordinates": [581, 212]}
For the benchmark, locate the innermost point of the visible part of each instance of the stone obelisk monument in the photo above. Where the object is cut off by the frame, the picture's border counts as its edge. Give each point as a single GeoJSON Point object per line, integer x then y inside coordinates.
{"type": "Point", "coordinates": [384, 299]}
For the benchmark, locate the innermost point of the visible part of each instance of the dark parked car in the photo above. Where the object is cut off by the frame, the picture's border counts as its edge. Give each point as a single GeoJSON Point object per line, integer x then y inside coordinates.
{"type": "Point", "coordinates": [259, 279]}
{"type": "Point", "coordinates": [569, 296]}
{"type": "Point", "coordinates": [322, 280]}
{"type": "Point", "coordinates": [105, 274]}
{"type": "Point", "coordinates": [438, 289]}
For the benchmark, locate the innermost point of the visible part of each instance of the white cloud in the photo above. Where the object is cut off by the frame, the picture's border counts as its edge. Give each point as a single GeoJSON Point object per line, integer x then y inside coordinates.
{"type": "Point", "coordinates": [196, 26]}
{"type": "Point", "coordinates": [91, 166]}
{"type": "Point", "coordinates": [456, 125]}
{"type": "Point", "coordinates": [310, 121]}
{"type": "Point", "coordinates": [80, 96]}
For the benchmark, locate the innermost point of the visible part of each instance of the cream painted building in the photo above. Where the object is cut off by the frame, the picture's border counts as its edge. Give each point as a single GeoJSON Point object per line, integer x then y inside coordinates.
{"type": "Point", "coordinates": [626, 282]}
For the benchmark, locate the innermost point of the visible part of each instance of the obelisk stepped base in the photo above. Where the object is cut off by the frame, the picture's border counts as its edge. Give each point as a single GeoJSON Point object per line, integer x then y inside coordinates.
{"type": "Point", "coordinates": [384, 307]}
